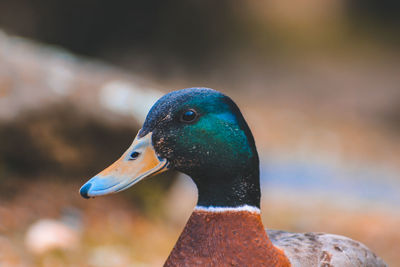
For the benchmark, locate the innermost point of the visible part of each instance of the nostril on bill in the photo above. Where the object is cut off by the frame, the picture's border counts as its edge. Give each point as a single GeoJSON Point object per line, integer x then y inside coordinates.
{"type": "Point", "coordinates": [134, 155]}
{"type": "Point", "coordinates": [85, 190]}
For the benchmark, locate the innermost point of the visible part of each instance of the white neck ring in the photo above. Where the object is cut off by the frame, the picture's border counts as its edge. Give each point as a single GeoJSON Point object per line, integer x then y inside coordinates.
{"type": "Point", "coordinates": [247, 208]}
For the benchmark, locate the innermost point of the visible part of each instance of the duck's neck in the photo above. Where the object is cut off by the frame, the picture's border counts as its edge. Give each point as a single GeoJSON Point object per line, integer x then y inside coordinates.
{"type": "Point", "coordinates": [229, 188]}
{"type": "Point", "coordinates": [223, 237]}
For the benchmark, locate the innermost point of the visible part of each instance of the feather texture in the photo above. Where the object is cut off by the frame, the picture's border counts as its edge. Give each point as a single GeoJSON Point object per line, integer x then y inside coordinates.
{"type": "Point", "coordinates": [323, 250]}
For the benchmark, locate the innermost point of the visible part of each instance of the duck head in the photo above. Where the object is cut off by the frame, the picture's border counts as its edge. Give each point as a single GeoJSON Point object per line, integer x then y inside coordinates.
{"type": "Point", "coordinates": [200, 132]}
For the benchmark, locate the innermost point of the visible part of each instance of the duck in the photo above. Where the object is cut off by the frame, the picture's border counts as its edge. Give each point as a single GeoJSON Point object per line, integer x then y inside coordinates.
{"type": "Point", "coordinates": [202, 133]}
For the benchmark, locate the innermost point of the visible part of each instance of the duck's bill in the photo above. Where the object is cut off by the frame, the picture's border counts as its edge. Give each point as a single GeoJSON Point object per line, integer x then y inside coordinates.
{"type": "Point", "coordinates": [138, 162]}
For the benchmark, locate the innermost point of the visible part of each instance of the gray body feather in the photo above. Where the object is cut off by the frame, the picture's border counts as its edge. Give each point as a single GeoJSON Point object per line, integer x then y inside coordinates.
{"type": "Point", "coordinates": [323, 250]}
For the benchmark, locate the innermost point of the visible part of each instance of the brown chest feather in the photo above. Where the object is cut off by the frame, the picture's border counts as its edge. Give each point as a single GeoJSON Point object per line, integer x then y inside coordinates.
{"type": "Point", "coordinates": [225, 239]}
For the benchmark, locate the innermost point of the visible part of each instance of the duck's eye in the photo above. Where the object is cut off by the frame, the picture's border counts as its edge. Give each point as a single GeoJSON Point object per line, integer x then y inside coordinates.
{"type": "Point", "coordinates": [188, 116]}
{"type": "Point", "coordinates": [134, 155]}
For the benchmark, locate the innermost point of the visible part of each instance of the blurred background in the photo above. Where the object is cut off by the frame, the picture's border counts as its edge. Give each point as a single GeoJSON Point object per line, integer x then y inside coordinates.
{"type": "Point", "coordinates": [317, 81]}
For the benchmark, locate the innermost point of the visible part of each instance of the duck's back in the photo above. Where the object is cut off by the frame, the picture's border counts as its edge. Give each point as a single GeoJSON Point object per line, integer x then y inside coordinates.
{"type": "Point", "coordinates": [320, 249]}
